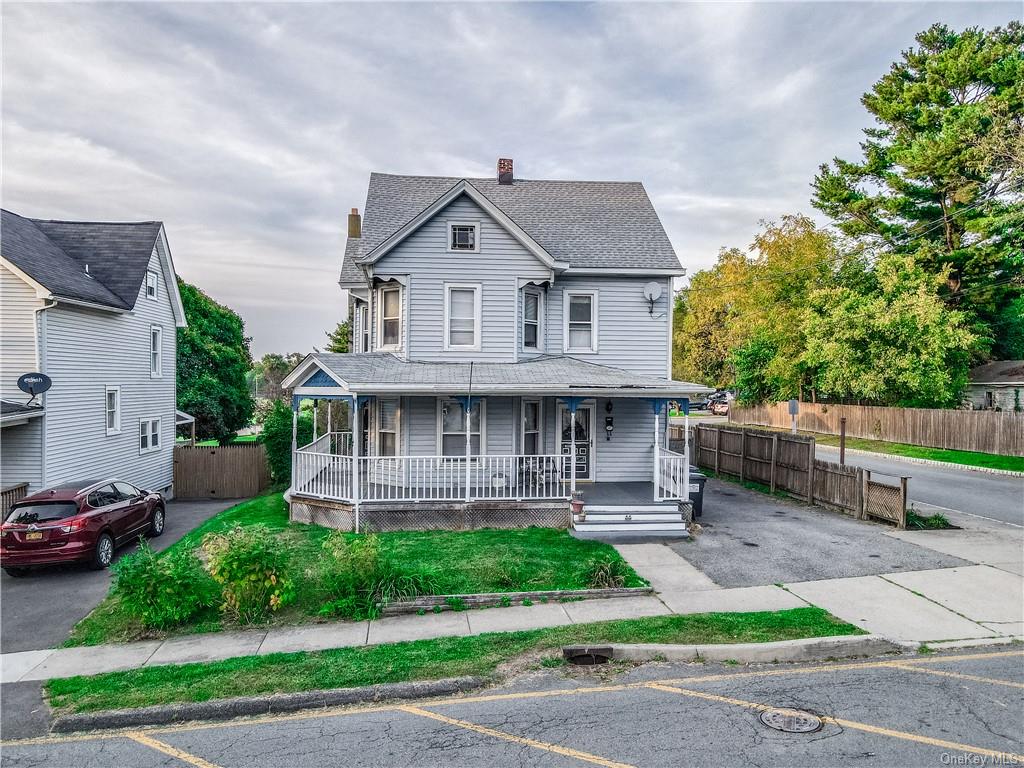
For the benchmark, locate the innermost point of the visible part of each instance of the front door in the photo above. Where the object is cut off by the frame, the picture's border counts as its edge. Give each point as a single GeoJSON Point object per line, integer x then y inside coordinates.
{"type": "Point", "coordinates": [583, 426]}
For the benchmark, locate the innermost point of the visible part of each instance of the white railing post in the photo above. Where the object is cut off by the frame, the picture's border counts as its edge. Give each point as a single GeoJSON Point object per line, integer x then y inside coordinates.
{"type": "Point", "coordinates": [295, 444]}
{"type": "Point", "coordinates": [657, 454]}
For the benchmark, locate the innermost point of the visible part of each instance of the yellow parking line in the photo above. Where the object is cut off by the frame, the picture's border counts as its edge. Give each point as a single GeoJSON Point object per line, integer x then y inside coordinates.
{"type": "Point", "coordinates": [566, 751]}
{"type": "Point", "coordinates": [167, 749]}
{"type": "Point", "coordinates": [1003, 757]}
{"type": "Point", "coordinates": [957, 675]}
{"type": "Point", "coordinates": [463, 699]}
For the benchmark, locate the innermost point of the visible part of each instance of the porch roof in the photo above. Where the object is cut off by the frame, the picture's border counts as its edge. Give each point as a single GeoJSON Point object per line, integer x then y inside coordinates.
{"type": "Point", "coordinates": [370, 373]}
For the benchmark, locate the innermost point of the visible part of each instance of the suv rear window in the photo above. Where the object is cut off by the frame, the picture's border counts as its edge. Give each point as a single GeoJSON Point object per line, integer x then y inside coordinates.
{"type": "Point", "coordinates": [44, 512]}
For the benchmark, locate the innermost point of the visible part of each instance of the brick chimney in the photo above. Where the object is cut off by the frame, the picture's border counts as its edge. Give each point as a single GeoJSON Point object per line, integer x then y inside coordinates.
{"type": "Point", "coordinates": [504, 170]}
{"type": "Point", "coordinates": [355, 224]}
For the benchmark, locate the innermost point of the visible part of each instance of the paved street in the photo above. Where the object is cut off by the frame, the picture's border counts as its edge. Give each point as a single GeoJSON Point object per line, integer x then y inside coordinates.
{"type": "Point", "coordinates": [39, 610]}
{"type": "Point", "coordinates": [996, 497]}
{"type": "Point", "coordinates": [906, 711]}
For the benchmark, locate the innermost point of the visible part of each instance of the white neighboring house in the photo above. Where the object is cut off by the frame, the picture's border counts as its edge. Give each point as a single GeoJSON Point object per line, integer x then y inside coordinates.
{"type": "Point", "coordinates": [94, 306]}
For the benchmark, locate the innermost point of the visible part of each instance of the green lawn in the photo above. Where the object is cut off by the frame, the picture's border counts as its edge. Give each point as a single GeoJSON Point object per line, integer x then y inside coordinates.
{"type": "Point", "coordinates": [419, 660]}
{"type": "Point", "coordinates": [971, 458]}
{"type": "Point", "coordinates": [464, 562]}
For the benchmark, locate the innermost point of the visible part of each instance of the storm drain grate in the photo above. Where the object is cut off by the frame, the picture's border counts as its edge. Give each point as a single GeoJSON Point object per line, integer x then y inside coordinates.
{"type": "Point", "coordinates": [791, 720]}
{"type": "Point", "coordinates": [586, 656]}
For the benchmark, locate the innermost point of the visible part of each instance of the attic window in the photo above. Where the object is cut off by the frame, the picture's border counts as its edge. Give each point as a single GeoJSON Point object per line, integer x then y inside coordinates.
{"type": "Point", "coordinates": [151, 284]}
{"type": "Point", "coordinates": [462, 237]}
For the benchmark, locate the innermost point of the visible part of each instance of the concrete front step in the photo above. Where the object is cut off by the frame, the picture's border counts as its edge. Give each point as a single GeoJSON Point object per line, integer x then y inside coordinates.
{"type": "Point", "coordinates": [627, 517]}
{"type": "Point", "coordinates": [631, 527]}
{"type": "Point", "coordinates": [636, 509]}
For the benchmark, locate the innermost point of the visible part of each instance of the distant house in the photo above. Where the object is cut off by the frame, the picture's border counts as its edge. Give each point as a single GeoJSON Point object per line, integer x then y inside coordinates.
{"type": "Point", "coordinates": [997, 386]}
{"type": "Point", "coordinates": [511, 347]}
{"type": "Point", "coordinates": [94, 306]}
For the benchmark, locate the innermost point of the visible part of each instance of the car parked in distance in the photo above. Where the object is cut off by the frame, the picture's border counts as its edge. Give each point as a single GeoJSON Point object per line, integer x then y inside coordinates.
{"type": "Point", "coordinates": [78, 522]}
{"type": "Point", "coordinates": [719, 407]}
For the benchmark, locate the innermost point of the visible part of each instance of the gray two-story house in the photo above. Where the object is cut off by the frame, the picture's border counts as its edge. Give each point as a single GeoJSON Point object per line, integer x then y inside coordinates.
{"type": "Point", "coordinates": [511, 350]}
{"type": "Point", "coordinates": [95, 307]}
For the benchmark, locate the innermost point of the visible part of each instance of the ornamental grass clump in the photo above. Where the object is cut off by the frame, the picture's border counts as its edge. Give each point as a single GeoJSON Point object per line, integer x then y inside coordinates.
{"type": "Point", "coordinates": [358, 580]}
{"type": "Point", "coordinates": [162, 591]}
{"type": "Point", "coordinates": [250, 565]}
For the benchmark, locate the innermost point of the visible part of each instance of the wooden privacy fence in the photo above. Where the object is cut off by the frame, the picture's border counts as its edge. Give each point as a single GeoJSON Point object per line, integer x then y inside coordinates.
{"type": "Point", "coordinates": [1000, 432]}
{"type": "Point", "coordinates": [787, 463]}
{"type": "Point", "coordinates": [220, 471]}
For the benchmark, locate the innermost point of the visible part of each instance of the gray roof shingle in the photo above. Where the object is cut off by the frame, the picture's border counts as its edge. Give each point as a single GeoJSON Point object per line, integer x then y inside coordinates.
{"type": "Point", "coordinates": [55, 254]}
{"type": "Point", "coordinates": [587, 224]}
{"type": "Point", "coordinates": [365, 370]}
{"type": "Point", "coordinates": [999, 372]}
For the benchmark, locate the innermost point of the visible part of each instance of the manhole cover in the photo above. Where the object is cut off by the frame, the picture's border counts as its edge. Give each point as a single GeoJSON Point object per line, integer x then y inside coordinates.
{"type": "Point", "coordinates": [791, 720]}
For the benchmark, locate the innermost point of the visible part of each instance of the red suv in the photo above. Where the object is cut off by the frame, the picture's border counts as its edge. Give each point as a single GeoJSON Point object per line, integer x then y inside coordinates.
{"type": "Point", "coordinates": [77, 522]}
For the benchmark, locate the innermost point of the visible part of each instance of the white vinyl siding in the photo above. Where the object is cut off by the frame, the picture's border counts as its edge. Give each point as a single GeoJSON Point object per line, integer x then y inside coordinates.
{"type": "Point", "coordinates": [156, 352]}
{"type": "Point", "coordinates": [462, 316]}
{"type": "Point", "coordinates": [501, 262]}
{"type": "Point", "coordinates": [579, 327]}
{"type": "Point", "coordinates": [112, 397]}
{"type": "Point", "coordinates": [84, 351]}
{"type": "Point", "coordinates": [17, 333]}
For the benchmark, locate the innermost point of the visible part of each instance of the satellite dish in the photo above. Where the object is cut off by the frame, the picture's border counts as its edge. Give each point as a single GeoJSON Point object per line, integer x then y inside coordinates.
{"type": "Point", "coordinates": [34, 383]}
{"type": "Point", "coordinates": [652, 292]}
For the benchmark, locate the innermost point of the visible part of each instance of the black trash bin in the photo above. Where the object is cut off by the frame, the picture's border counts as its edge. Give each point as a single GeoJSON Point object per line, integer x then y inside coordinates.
{"type": "Point", "coordinates": [696, 491]}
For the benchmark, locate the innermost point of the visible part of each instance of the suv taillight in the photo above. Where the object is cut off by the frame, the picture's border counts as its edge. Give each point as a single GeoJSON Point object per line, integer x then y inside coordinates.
{"type": "Point", "coordinates": [73, 525]}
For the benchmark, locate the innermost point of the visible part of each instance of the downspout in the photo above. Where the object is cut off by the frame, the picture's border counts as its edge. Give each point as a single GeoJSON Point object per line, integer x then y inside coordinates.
{"type": "Point", "coordinates": [39, 326]}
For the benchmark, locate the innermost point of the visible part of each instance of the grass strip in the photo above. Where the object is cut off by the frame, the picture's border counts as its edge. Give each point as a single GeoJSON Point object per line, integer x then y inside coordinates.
{"type": "Point", "coordinates": [419, 660]}
{"type": "Point", "coordinates": [465, 562]}
{"type": "Point", "coordinates": [970, 458]}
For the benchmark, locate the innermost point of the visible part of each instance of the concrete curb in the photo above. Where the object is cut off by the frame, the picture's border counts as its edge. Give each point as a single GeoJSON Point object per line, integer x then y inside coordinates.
{"type": "Point", "coordinates": [929, 462]}
{"type": "Point", "coordinates": [807, 649]}
{"type": "Point", "coordinates": [914, 646]}
{"type": "Point", "coordinates": [226, 709]}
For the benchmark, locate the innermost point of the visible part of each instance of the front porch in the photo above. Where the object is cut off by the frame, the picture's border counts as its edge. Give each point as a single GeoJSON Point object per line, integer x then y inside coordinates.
{"type": "Point", "coordinates": [512, 446]}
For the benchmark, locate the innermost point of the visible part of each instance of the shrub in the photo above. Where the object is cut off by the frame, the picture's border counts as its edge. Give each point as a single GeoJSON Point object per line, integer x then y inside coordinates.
{"type": "Point", "coordinates": [250, 565]}
{"type": "Point", "coordinates": [162, 592]}
{"type": "Point", "coordinates": [277, 436]}
{"type": "Point", "coordinates": [360, 581]}
{"type": "Point", "coordinates": [607, 574]}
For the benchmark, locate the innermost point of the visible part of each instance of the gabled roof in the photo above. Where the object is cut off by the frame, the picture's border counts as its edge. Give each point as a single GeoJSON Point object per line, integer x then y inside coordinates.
{"type": "Point", "coordinates": [999, 372]}
{"type": "Point", "coordinates": [101, 263]}
{"type": "Point", "coordinates": [378, 372]}
{"type": "Point", "coordinates": [583, 224]}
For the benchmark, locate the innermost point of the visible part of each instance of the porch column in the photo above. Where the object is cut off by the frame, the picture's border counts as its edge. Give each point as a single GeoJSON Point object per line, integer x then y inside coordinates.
{"type": "Point", "coordinates": [295, 429]}
{"type": "Point", "coordinates": [356, 442]}
{"type": "Point", "coordinates": [316, 413]}
{"type": "Point", "coordinates": [329, 421]}
{"type": "Point", "coordinates": [657, 447]}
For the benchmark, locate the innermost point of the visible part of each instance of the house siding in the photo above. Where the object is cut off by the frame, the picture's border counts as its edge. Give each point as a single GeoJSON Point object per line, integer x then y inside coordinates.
{"type": "Point", "coordinates": [17, 333]}
{"type": "Point", "coordinates": [497, 268]}
{"type": "Point", "coordinates": [629, 337]}
{"type": "Point", "coordinates": [21, 460]}
{"type": "Point", "coordinates": [85, 352]}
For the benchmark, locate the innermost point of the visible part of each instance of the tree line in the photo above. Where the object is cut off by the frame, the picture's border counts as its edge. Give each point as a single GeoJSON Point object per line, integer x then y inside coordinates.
{"type": "Point", "coordinates": [918, 276]}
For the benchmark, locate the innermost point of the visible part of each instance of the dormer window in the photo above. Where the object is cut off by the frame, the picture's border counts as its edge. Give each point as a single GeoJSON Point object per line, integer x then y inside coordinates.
{"type": "Point", "coordinates": [463, 236]}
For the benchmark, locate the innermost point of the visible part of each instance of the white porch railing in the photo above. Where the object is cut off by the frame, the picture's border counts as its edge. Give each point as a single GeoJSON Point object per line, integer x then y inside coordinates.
{"type": "Point", "coordinates": [339, 443]}
{"type": "Point", "coordinates": [511, 477]}
{"type": "Point", "coordinates": [673, 474]}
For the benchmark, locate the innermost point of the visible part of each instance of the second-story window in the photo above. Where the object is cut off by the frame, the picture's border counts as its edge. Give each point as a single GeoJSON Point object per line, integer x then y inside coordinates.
{"type": "Point", "coordinates": [156, 335]}
{"type": "Point", "coordinates": [152, 281]}
{"type": "Point", "coordinates": [390, 318]}
{"type": "Point", "coordinates": [463, 236]}
{"type": "Point", "coordinates": [462, 316]}
{"type": "Point", "coordinates": [531, 319]}
{"type": "Point", "coordinates": [364, 328]}
{"type": "Point", "coordinates": [580, 331]}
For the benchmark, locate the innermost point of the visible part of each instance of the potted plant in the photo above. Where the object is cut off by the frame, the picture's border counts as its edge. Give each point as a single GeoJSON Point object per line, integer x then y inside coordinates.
{"type": "Point", "coordinates": [576, 504]}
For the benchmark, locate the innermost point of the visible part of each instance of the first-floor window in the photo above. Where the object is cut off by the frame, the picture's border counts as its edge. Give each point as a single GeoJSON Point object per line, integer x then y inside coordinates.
{"type": "Point", "coordinates": [113, 409]}
{"type": "Point", "coordinates": [387, 427]}
{"type": "Point", "coordinates": [149, 435]}
{"type": "Point", "coordinates": [453, 428]}
{"type": "Point", "coordinates": [532, 445]}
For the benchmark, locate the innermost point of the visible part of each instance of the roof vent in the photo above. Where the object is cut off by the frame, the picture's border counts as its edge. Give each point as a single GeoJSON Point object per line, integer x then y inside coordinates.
{"type": "Point", "coordinates": [355, 224]}
{"type": "Point", "coordinates": [504, 170]}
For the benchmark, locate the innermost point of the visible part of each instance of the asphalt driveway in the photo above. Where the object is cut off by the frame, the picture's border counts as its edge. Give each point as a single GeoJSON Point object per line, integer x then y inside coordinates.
{"type": "Point", "coordinates": [751, 539]}
{"type": "Point", "coordinates": [39, 610]}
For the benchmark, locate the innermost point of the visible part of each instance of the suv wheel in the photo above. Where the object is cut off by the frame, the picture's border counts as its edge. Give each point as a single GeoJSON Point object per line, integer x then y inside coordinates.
{"type": "Point", "coordinates": [156, 525]}
{"type": "Point", "coordinates": [103, 555]}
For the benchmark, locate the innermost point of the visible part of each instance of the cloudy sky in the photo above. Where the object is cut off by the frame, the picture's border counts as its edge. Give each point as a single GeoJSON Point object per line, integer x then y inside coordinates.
{"type": "Point", "coordinates": [250, 128]}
